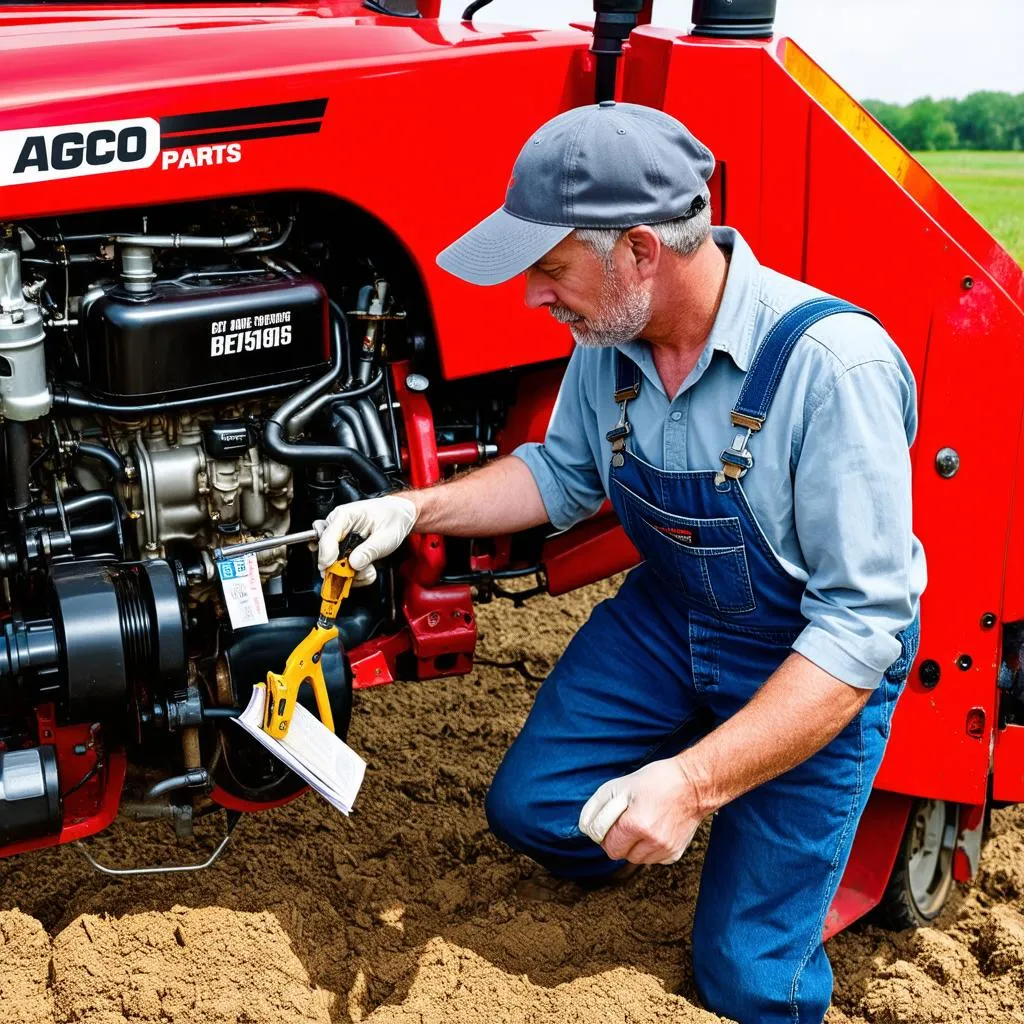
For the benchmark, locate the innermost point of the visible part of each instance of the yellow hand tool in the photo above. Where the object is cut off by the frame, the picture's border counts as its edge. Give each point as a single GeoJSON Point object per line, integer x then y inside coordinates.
{"type": "Point", "coordinates": [304, 663]}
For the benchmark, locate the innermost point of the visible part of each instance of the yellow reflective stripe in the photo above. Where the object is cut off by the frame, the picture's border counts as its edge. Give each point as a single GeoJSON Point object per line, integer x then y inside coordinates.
{"type": "Point", "coordinates": [847, 111]}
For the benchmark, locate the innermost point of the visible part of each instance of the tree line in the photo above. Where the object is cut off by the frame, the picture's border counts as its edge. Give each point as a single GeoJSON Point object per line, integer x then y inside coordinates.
{"type": "Point", "coordinates": [982, 120]}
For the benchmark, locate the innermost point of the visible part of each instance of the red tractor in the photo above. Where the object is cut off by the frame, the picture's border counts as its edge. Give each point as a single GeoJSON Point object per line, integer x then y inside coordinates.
{"type": "Point", "coordinates": [215, 218]}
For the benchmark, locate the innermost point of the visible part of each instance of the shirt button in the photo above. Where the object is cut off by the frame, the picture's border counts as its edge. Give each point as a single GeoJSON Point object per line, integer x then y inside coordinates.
{"type": "Point", "coordinates": [677, 415]}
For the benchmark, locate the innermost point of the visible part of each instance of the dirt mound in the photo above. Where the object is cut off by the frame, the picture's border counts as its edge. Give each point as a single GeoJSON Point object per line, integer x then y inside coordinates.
{"type": "Point", "coordinates": [409, 911]}
{"type": "Point", "coordinates": [24, 970]}
{"type": "Point", "coordinates": [189, 966]}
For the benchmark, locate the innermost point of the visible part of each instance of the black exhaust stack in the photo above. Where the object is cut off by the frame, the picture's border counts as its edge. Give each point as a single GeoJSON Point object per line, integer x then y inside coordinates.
{"type": "Point", "coordinates": [733, 19]}
{"type": "Point", "coordinates": [614, 20]}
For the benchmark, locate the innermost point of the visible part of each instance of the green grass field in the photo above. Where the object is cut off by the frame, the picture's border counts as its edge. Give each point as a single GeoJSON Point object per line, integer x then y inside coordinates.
{"type": "Point", "coordinates": [990, 185]}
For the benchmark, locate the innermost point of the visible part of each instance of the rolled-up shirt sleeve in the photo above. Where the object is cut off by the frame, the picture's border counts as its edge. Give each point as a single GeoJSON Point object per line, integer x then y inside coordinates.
{"type": "Point", "coordinates": [565, 465]}
{"type": "Point", "coordinates": [852, 507]}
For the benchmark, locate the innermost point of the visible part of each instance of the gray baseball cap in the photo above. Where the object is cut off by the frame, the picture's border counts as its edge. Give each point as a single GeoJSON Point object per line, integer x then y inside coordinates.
{"type": "Point", "coordinates": [608, 165]}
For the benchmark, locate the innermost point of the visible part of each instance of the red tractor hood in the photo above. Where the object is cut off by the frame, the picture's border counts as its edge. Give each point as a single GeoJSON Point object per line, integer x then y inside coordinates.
{"type": "Point", "coordinates": [58, 53]}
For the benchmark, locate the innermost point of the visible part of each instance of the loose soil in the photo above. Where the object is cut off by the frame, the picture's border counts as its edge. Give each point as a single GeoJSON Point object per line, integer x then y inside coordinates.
{"type": "Point", "coordinates": [409, 911]}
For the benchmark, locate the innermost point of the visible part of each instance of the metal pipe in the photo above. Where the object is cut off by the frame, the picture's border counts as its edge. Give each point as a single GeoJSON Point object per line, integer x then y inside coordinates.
{"type": "Point", "coordinates": [277, 243]}
{"type": "Point", "coordinates": [339, 340]}
{"type": "Point", "coordinates": [350, 415]}
{"type": "Point", "coordinates": [344, 434]}
{"type": "Point", "coordinates": [338, 396]}
{"type": "Point", "coordinates": [17, 449]}
{"type": "Point", "coordinates": [375, 431]}
{"type": "Point", "coordinates": [187, 241]}
{"type": "Point", "coordinates": [266, 544]}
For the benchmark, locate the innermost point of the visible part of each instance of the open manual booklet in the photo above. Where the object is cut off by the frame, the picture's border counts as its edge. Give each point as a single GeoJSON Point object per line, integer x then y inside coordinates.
{"type": "Point", "coordinates": [311, 750]}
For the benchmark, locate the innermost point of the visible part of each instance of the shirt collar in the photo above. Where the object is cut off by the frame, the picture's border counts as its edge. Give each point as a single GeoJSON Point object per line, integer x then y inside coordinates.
{"type": "Point", "coordinates": [733, 329]}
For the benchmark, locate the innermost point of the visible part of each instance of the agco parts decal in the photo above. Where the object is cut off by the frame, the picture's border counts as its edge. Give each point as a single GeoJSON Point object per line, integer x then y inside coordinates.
{"type": "Point", "coordinates": [216, 136]}
{"type": "Point", "coordinates": [206, 139]}
{"type": "Point", "coordinates": [72, 150]}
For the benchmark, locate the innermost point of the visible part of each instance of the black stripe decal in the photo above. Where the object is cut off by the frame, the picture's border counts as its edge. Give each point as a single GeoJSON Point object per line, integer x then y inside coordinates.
{"type": "Point", "coordinates": [302, 110]}
{"type": "Point", "coordinates": [273, 131]}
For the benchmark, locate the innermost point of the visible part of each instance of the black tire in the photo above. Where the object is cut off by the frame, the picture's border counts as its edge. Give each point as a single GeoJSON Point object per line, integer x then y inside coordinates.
{"type": "Point", "coordinates": [922, 877]}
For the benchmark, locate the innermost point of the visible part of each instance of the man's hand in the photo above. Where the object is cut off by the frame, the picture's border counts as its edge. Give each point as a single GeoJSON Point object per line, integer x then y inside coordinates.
{"type": "Point", "coordinates": [648, 817]}
{"type": "Point", "coordinates": [383, 523]}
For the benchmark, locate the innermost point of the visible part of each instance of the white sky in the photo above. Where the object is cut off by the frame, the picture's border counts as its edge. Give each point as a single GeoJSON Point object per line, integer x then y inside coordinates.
{"type": "Point", "coordinates": [894, 50]}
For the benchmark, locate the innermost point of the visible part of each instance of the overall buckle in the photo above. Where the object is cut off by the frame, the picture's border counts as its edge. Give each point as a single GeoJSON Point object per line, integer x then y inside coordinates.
{"type": "Point", "coordinates": [736, 460]}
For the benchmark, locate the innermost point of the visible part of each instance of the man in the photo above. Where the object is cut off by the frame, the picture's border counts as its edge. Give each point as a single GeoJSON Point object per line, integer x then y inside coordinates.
{"type": "Point", "coordinates": [780, 589]}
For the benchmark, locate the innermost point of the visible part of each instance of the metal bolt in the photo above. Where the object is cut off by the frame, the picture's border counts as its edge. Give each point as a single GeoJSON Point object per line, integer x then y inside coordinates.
{"type": "Point", "coordinates": [967, 283]}
{"type": "Point", "coordinates": [433, 619]}
{"type": "Point", "coordinates": [417, 382]}
{"type": "Point", "coordinates": [964, 662]}
{"type": "Point", "coordinates": [929, 674]}
{"type": "Point", "coordinates": [988, 620]}
{"type": "Point", "coordinates": [947, 462]}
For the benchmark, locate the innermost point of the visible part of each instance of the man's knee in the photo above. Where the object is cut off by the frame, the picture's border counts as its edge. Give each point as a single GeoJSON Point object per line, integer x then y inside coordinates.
{"type": "Point", "coordinates": [520, 819]}
{"type": "Point", "coordinates": [511, 815]}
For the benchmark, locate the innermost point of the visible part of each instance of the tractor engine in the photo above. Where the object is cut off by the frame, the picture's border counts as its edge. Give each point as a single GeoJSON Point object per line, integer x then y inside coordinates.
{"type": "Point", "coordinates": [175, 381]}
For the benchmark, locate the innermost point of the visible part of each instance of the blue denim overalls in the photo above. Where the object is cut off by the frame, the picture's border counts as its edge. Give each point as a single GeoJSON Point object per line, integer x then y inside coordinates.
{"type": "Point", "coordinates": [692, 634]}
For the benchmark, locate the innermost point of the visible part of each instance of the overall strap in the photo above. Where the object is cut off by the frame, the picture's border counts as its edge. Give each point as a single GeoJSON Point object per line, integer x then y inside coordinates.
{"type": "Point", "coordinates": [627, 387]}
{"type": "Point", "coordinates": [762, 379]}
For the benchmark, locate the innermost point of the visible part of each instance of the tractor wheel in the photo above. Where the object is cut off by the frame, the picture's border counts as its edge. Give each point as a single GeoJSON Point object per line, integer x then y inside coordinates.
{"type": "Point", "coordinates": [922, 877]}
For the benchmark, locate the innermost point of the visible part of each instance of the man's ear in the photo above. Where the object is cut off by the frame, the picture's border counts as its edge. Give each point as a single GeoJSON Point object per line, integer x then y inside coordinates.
{"type": "Point", "coordinates": [645, 247]}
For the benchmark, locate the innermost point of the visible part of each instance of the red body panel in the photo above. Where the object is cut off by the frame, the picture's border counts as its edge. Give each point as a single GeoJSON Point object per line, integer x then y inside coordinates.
{"type": "Point", "coordinates": [422, 124]}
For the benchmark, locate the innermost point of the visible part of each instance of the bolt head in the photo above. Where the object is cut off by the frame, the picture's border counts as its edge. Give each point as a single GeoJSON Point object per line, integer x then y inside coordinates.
{"type": "Point", "coordinates": [929, 673]}
{"type": "Point", "coordinates": [947, 462]}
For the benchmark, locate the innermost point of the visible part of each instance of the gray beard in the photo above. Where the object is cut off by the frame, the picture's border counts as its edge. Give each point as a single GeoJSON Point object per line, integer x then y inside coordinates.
{"type": "Point", "coordinates": [623, 314]}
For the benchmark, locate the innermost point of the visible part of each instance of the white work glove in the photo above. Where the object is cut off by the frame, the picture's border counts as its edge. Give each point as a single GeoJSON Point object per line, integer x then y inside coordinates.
{"type": "Point", "coordinates": [648, 817]}
{"type": "Point", "coordinates": [383, 523]}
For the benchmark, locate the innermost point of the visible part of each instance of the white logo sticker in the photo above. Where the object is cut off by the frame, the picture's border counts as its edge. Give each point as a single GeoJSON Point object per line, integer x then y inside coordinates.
{"type": "Point", "coordinates": [73, 150]}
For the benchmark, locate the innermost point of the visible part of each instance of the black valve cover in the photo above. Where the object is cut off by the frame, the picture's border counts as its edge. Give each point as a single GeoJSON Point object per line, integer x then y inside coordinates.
{"type": "Point", "coordinates": [186, 340]}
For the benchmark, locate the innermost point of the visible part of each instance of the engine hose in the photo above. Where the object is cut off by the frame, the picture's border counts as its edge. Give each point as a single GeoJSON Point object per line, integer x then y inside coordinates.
{"type": "Point", "coordinates": [50, 515]}
{"type": "Point", "coordinates": [89, 450]}
{"type": "Point", "coordinates": [17, 450]}
{"type": "Point", "coordinates": [339, 346]}
{"type": "Point", "coordinates": [303, 416]}
{"type": "Point", "coordinates": [275, 439]}
{"type": "Point", "coordinates": [70, 400]}
{"type": "Point", "coordinates": [361, 467]}
{"type": "Point", "coordinates": [349, 413]}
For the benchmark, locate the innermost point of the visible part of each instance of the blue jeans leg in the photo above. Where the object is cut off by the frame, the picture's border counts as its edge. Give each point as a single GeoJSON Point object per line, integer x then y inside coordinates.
{"type": "Point", "coordinates": [774, 862]}
{"type": "Point", "coordinates": [620, 696]}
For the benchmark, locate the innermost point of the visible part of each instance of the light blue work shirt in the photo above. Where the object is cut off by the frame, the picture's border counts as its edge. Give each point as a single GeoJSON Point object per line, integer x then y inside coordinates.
{"type": "Point", "coordinates": [830, 485]}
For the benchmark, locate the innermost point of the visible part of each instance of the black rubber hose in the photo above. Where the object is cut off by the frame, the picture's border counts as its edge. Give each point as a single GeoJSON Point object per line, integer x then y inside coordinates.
{"type": "Point", "coordinates": [17, 448]}
{"type": "Point", "coordinates": [276, 443]}
{"type": "Point", "coordinates": [339, 348]}
{"type": "Point", "coordinates": [89, 450]}
{"type": "Point", "coordinates": [69, 400]}
{"type": "Point", "coordinates": [50, 515]}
